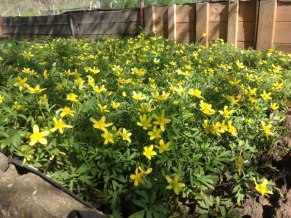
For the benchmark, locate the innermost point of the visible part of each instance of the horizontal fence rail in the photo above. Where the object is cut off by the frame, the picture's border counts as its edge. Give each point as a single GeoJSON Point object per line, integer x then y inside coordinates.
{"type": "Point", "coordinates": [261, 24]}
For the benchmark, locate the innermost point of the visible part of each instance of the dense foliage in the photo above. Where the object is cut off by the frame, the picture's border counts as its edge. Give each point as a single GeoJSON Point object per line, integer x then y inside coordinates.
{"type": "Point", "coordinates": [145, 126]}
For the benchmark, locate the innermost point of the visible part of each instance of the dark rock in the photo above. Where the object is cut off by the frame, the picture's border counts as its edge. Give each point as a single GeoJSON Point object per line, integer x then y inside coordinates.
{"type": "Point", "coordinates": [3, 163]}
{"type": "Point", "coordinates": [29, 196]}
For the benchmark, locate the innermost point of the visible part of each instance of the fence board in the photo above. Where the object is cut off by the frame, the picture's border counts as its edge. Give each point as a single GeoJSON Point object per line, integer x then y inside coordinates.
{"type": "Point", "coordinates": [38, 30]}
{"type": "Point", "coordinates": [247, 11]}
{"type": "Point", "coordinates": [149, 18]}
{"type": "Point", "coordinates": [161, 14]}
{"type": "Point", "coordinates": [107, 28]}
{"type": "Point", "coordinates": [41, 20]}
{"type": "Point", "coordinates": [232, 22]}
{"type": "Point", "coordinates": [106, 16]}
{"type": "Point", "coordinates": [267, 15]}
{"type": "Point", "coordinates": [282, 32]}
{"type": "Point", "coordinates": [246, 31]}
{"type": "Point", "coordinates": [245, 45]}
{"type": "Point", "coordinates": [217, 30]}
{"type": "Point", "coordinates": [283, 12]}
{"type": "Point", "coordinates": [185, 13]}
{"type": "Point", "coordinates": [185, 32]}
{"type": "Point", "coordinates": [283, 47]}
{"type": "Point", "coordinates": [202, 23]}
{"type": "Point", "coordinates": [218, 11]}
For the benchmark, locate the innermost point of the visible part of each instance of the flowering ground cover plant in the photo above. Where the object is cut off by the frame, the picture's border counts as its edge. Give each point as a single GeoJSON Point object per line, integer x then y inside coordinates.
{"type": "Point", "coordinates": [143, 126]}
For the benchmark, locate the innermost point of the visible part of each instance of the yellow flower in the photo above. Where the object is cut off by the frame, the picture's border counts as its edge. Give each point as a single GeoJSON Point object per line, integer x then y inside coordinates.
{"type": "Point", "coordinates": [100, 89]}
{"type": "Point", "coordinates": [195, 92]}
{"type": "Point", "coordinates": [18, 107]}
{"type": "Point", "coordinates": [45, 74]}
{"type": "Point", "coordinates": [161, 120]}
{"type": "Point", "coordinates": [144, 122]}
{"type": "Point", "coordinates": [115, 105]}
{"type": "Point", "coordinates": [59, 86]}
{"type": "Point", "coordinates": [262, 187]}
{"type": "Point", "coordinates": [239, 64]}
{"type": "Point", "coordinates": [67, 111]}
{"type": "Point", "coordinates": [38, 136]}
{"type": "Point", "coordinates": [125, 135]}
{"type": "Point", "coordinates": [29, 71]}
{"type": "Point", "coordinates": [72, 97]}
{"type": "Point", "coordinates": [103, 108]}
{"type": "Point", "coordinates": [163, 146]}
{"type": "Point", "coordinates": [101, 124]}
{"type": "Point", "coordinates": [139, 72]}
{"type": "Point", "coordinates": [206, 108]}
{"type": "Point", "coordinates": [21, 83]}
{"type": "Point", "coordinates": [93, 70]}
{"type": "Point", "coordinates": [231, 129]}
{"type": "Point", "coordinates": [35, 90]}
{"type": "Point", "coordinates": [109, 138]}
{"type": "Point", "coordinates": [266, 96]}
{"type": "Point", "coordinates": [138, 177]}
{"type": "Point", "coordinates": [233, 99]}
{"type": "Point", "coordinates": [155, 134]}
{"type": "Point", "coordinates": [161, 97]}
{"type": "Point", "coordinates": [267, 128]}
{"type": "Point", "coordinates": [43, 99]}
{"type": "Point", "coordinates": [149, 152]}
{"type": "Point", "coordinates": [174, 184]}
{"type": "Point", "coordinates": [1, 98]}
{"type": "Point", "coordinates": [226, 113]}
{"type": "Point", "coordinates": [91, 81]}
{"type": "Point", "coordinates": [146, 107]}
{"type": "Point", "coordinates": [80, 82]}
{"type": "Point", "coordinates": [274, 106]}
{"type": "Point", "coordinates": [59, 125]}
{"type": "Point", "coordinates": [277, 86]}
{"type": "Point", "coordinates": [138, 96]}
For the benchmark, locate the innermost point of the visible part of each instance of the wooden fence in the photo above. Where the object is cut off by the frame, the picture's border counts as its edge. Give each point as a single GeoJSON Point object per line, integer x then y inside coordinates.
{"type": "Point", "coordinates": [96, 24]}
{"type": "Point", "coordinates": [261, 24]}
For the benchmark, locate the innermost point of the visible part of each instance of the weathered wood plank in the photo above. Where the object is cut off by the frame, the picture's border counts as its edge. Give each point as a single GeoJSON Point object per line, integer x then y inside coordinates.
{"type": "Point", "coordinates": [218, 11]}
{"type": "Point", "coordinates": [283, 47]}
{"type": "Point", "coordinates": [149, 18]}
{"type": "Point", "coordinates": [245, 45]}
{"type": "Point", "coordinates": [217, 30]}
{"type": "Point", "coordinates": [38, 20]}
{"type": "Point", "coordinates": [106, 16]}
{"type": "Point", "coordinates": [161, 14]}
{"type": "Point", "coordinates": [172, 22]}
{"type": "Point", "coordinates": [232, 24]}
{"type": "Point", "coordinates": [266, 25]}
{"type": "Point", "coordinates": [185, 13]}
{"type": "Point", "coordinates": [185, 32]}
{"type": "Point", "coordinates": [247, 11]}
{"type": "Point", "coordinates": [282, 32]}
{"type": "Point", "coordinates": [107, 28]}
{"type": "Point", "coordinates": [283, 12]}
{"type": "Point", "coordinates": [162, 29]}
{"type": "Point", "coordinates": [202, 23]}
{"type": "Point", "coordinates": [246, 31]}
{"type": "Point", "coordinates": [1, 27]}
{"type": "Point", "coordinates": [38, 30]}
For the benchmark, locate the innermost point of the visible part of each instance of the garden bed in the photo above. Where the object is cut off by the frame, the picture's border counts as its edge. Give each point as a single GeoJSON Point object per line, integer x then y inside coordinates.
{"type": "Point", "coordinates": [145, 126]}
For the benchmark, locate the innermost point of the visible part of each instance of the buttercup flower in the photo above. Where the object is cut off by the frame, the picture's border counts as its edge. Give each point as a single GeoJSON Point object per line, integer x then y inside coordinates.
{"type": "Point", "coordinates": [138, 177]}
{"type": "Point", "coordinates": [149, 152]}
{"type": "Point", "coordinates": [206, 108]}
{"type": "Point", "coordinates": [60, 125]}
{"type": "Point", "coordinates": [174, 184]}
{"type": "Point", "coordinates": [101, 124]}
{"type": "Point", "coordinates": [262, 187]}
{"type": "Point", "coordinates": [38, 136]}
{"type": "Point", "coordinates": [72, 97]}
